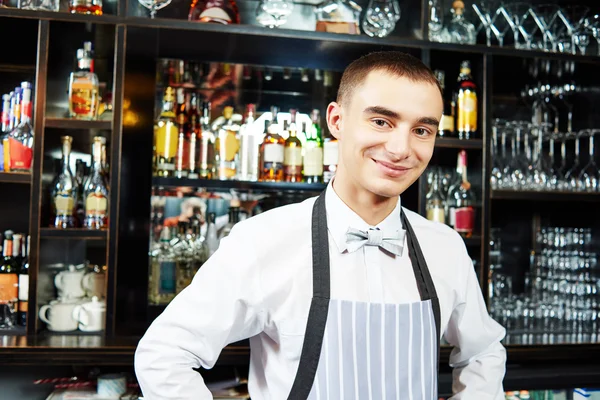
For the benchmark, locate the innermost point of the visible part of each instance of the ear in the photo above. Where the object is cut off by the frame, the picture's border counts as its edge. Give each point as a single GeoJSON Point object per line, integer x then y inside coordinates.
{"type": "Point", "coordinates": [334, 119]}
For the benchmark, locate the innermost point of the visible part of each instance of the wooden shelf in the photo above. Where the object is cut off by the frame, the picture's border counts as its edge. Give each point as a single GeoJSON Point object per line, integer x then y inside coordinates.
{"type": "Point", "coordinates": [67, 123]}
{"type": "Point", "coordinates": [240, 185]}
{"type": "Point", "coordinates": [75, 233]}
{"type": "Point", "coordinates": [454, 143]}
{"type": "Point", "coordinates": [15, 177]}
{"type": "Point", "coordinates": [474, 240]}
{"type": "Point", "coordinates": [544, 196]}
{"type": "Point", "coordinates": [17, 68]}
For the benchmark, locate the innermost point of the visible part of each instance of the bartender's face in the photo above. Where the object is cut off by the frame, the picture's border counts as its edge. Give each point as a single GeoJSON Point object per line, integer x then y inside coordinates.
{"type": "Point", "coordinates": [386, 131]}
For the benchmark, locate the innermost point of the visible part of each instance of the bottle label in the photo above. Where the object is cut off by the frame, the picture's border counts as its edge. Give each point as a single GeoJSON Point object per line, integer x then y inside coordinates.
{"type": "Point", "coordinates": [313, 161]}
{"type": "Point", "coordinates": [23, 288]}
{"type": "Point", "coordinates": [167, 277]}
{"type": "Point", "coordinates": [467, 111]}
{"type": "Point", "coordinates": [82, 102]}
{"type": "Point", "coordinates": [464, 219]}
{"type": "Point", "coordinates": [293, 157]}
{"type": "Point", "coordinates": [182, 160]}
{"type": "Point", "coordinates": [96, 205]}
{"type": "Point", "coordinates": [228, 146]}
{"type": "Point", "coordinates": [436, 214]}
{"type": "Point", "coordinates": [330, 152]}
{"type": "Point", "coordinates": [274, 153]}
{"type": "Point", "coordinates": [20, 155]}
{"type": "Point", "coordinates": [64, 203]}
{"type": "Point", "coordinates": [166, 140]}
{"type": "Point", "coordinates": [447, 123]}
{"type": "Point", "coordinates": [9, 288]}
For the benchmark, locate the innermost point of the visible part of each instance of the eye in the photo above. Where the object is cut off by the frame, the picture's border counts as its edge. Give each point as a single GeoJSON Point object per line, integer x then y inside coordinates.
{"type": "Point", "coordinates": [422, 132]}
{"type": "Point", "coordinates": [381, 123]}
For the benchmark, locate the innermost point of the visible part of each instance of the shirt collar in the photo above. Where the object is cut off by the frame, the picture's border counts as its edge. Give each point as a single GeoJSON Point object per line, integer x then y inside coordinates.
{"type": "Point", "coordinates": [340, 217]}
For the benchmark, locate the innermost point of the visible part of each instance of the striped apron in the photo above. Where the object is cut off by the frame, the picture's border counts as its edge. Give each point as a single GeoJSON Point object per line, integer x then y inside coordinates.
{"type": "Point", "coordinates": [372, 351]}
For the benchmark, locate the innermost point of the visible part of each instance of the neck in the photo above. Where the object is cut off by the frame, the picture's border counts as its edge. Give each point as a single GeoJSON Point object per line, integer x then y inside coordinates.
{"type": "Point", "coordinates": [370, 207]}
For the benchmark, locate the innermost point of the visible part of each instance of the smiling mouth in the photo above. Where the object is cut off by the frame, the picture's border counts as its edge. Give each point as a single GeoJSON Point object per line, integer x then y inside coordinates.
{"type": "Point", "coordinates": [391, 167]}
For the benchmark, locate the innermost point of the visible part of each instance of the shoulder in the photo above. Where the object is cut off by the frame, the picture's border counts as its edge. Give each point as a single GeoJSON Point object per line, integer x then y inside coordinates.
{"type": "Point", "coordinates": [430, 232]}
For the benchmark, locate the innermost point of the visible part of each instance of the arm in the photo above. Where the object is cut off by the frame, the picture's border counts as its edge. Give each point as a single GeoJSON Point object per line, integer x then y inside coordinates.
{"type": "Point", "coordinates": [222, 305]}
{"type": "Point", "coordinates": [478, 357]}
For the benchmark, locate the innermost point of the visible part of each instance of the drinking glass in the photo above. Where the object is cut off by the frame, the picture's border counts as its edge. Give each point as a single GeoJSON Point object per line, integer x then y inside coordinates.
{"type": "Point", "coordinates": [590, 174]}
{"type": "Point", "coordinates": [572, 175]}
{"type": "Point", "coordinates": [498, 160]}
{"type": "Point", "coordinates": [528, 28]}
{"type": "Point", "coordinates": [45, 5]}
{"type": "Point", "coordinates": [154, 5]}
{"type": "Point", "coordinates": [273, 13]}
{"type": "Point", "coordinates": [514, 13]}
{"type": "Point", "coordinates": [485, 10]}
{"type": "Point", "coordinates": [381, 17]}
{"type": "Point", "coordinates": [545, 16]}
{"type": "Point", "coordinates": [573, 18]}
{"type": "Point", "coordinates": [500, 24]}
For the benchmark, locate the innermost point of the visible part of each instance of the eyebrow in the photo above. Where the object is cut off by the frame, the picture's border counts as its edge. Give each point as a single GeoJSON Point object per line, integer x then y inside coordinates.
{"type": "Point", "coordinates": [394, 115]}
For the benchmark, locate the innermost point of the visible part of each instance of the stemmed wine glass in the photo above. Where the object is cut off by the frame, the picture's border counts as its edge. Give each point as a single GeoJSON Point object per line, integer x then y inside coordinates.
{"type": "Point", "coordinates": [381, 17]}
{"type": "Point", "coordinates": [500, 24]}
{"type": "Point", "coordinates": [498, 160]}
{"type": "Point", "coordinates": [571, 177]}
{"type": "Point", "coordinates": [573, 17]}
{"type": "Point", "coordinates": [154, 5]}
{"type": "Point", "coordinates": [273, 13]}
{"type": "Point", "coordinates": [545, 16]}
{"type": "Point", "coordinates": [484, 10]}
{"type": "Point", "coordinates": [514, 13]}
{"type": "Point", "coordinates": [590, 174]}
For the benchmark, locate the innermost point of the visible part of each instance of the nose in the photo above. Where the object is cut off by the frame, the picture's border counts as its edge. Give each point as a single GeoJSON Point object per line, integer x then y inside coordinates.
{"type": "Point", "coordinates": [398, 144]}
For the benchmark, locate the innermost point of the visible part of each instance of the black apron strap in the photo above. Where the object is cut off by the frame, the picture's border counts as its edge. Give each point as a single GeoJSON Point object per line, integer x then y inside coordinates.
{"type": "Point", "coordinates": [319, 307]}
{"type": "Point", "coordinates": [423, 277]}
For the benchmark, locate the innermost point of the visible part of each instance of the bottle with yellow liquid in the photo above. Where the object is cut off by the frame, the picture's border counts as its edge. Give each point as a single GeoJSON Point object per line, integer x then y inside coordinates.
{"type": "Point", "coordinates": [227, 145]}
{"type": "Point", "coordinates": [466, 103]}
{"type": "Point", "coordinates": [165, 137]}
{"type": "Point", "coordinates": [83, 88]}
{"type": "Point", "coordinates": [95, 193]}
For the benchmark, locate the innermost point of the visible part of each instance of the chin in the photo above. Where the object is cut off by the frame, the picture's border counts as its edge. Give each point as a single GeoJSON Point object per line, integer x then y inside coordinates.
{"type": "Point", "coordinates": [387, 187]}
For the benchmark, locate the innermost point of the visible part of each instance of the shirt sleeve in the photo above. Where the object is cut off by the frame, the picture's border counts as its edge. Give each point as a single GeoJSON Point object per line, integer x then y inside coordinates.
{"type": "Point", "coordinates": [222, 305]}
{"type": "Point", "coordinates": [478, 358]}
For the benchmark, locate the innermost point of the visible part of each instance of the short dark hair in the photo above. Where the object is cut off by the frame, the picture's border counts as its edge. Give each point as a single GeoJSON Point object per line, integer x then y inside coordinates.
{"type": "Point", "coordinates": [393, 62]}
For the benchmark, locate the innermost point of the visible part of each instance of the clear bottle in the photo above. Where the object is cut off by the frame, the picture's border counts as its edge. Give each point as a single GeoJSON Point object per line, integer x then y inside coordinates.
{"type": "Point", "coordinates": [215, 11]}
{"type": "Point", "coordinates": [181, 158]}
{"type": "Point", "coordinates": [19, 146]}
{"type": "Point", "coordinates": [80, 180]}
{"type": "Point", "coordinates": [95, 192]}
{"type": "Point", "coordinates": [193, 138]}
{"type": "Point", "coordinates": [459, 29]}
{"type": "Point", "coordinates": [165, 136]}
{"type": "Point", "coordinates": [212, 239]}
{"type": "Point", "coordinates": [163, 266]}
{"type": "Point", "coordinates": [434, 203]}
{"type": "Point", "coordinates": [436, 22]}
{"type": "Point", "coordinates": [446, 128]}
{"type": "Point", "coordinates": [338, 16]}
{"type": "Point", "coordinates": [64, 190]}
{"type": "Point", "coordinates": [466, 103]}
{"type": "Point", "coordinates": [292, 157]}
{"type": "Point", "coordinates": [313, 151]}
{"type": "Point", "coordinates": [83, 88]}
{"type": "Point", "coordinates": [330, 157]}
{"type": "Point", "coordinates": [206, 153]}
{"type": "Point", "coordinates": [234, 218]}
{"type": "Point", "coordinates": [249, 145]}
{"type": "Point", "coordinates": [272, 151]}
{"type": "Point", "coordinates": [461, 200]}
{"type": "Point", "coordinates": [227, 145]}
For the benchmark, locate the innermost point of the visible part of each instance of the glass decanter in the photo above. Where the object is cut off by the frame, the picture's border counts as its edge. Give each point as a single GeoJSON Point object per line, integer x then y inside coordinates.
{"type": "Point", "coordinates": [338, 16]}
{"type": "Point", "coordinates": [460, 30]}
{"type": "Point", "coordinates": [381, 17]}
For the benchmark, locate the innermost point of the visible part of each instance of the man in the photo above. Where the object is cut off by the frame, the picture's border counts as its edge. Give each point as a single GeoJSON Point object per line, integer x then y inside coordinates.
{"type": "Point", "coordinates": [347, 295]}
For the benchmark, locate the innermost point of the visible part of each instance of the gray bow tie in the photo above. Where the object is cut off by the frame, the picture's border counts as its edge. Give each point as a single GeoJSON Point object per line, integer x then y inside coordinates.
{"type": "Point", "coordinates": [392, 243]}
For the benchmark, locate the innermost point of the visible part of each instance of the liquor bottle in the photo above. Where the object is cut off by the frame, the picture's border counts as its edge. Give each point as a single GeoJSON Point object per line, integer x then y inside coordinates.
{"type": "Point", "coordinates": [181, 159]}
{"type": "Point", "coordinates": [215, 11]}
{"type": "Point", "coordinates": [83, 89]}
{"type": "Point", "coordinates": [212, 240]}
{"type": "Point", "coordinates": [80, 180]}
{"type": "Point", "coordinates": [292, 157]}
{"type": "Point", "coordinates": [64, 190]}
{"type": "Point", "coordinates": [206, 153]}
{"type": "Point", "coordinates": [163, 267]}
{"type": "Point", "coordinates": [434, 203]}
{"type": "Point", "coordinates": [461, 200]}
{"type": "Point", "coordinates": [193, 137]}
{"type": "Point", "coordinates": [93, 7]}
{"type": "Point", "coordinates": [95, 192]}
{"type": "Point", "coordinates": [272, 152]}
{"type": "Point", "coordinates": [338, 16]}
{"type": "Point", "coordinates": [103, 159]}
{"type": "Point", "coordinates": [330, 157]}
{"type": "Point", "coordinates": [4, 127]}
{"type": "Point", "coordinates": [234, 218]}
{"type": "Point", "coordinates": [313, 151]}
{"type": "Point", "coordinates": [9, 284]}
{"type": "Point", "coordinates": [165, 136]}
{"type": "Point", "coordinates": [459, 29]}
{"type": "Point", "coordinates": [466, 103]}
{"type": "Point", "coordinates": [19, 146]}
{"type": "Point", "coordinates": [446, 128]}
{"type": "Point", "coordinates": [15, 112]}
{"type": "Point", "coordinates": [249, 145]}
{"type": "Point", "coordinates": [227, 145]}
{"type": "Point", "coordinates": [24, 283]}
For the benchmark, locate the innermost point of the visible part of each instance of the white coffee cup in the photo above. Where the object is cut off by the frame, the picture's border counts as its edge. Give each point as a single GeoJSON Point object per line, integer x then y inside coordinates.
{"type": "Point", "coordinates": [93, 284]}
{"type": "Point", "coordinates": [69, 283]}
{"type": "Point", "coordinates": [90, 315]}
{"type": "Point", "coordinates": [59, 315]}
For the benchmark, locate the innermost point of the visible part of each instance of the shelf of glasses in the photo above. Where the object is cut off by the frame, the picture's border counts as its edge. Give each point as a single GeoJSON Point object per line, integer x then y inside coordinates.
{"type": "Point", "coordinates": [57, 16]}
{"type": "Point", "coordinates": [454, 143]}
{"type": "Point", "coordinates": [68, 123]}
{"type": "Point", "coordinates": [543, 196]}
{"type": "Point", "coordinates": [74, 233]}
{"type": "Point", "coordinates": [15, 177]}
{"type": "Point", "coordinates": [239, 185]}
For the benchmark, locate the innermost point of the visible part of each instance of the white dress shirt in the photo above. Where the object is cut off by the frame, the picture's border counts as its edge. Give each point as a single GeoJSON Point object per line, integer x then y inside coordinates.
{"type": "Point", "coordinates": [258, 285]}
